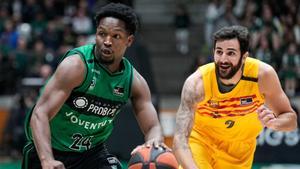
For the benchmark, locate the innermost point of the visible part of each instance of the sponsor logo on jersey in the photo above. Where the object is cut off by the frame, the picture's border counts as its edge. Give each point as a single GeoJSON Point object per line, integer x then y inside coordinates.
{"type": "Point", "coordinates": [103, 110]}
{"type": "Point", "coordinates": [246, 101]}
{"type": "Point", "coordinates": [213, 103]}
{"type": "Point", "coordinates": [80, 102]}
{"type": "Point", "coordinates": [94, 105]}
{"type": "Point", "coordinates": [118, 91]}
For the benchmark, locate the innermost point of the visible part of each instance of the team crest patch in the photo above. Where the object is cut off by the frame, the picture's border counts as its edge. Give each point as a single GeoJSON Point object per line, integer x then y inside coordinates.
{"type": "Point", "coordinates": [213, 103]}
{"type": "Point", "coordinates": [80, 102]}
{"type": "Point", "coordinates": [119, 91]}
{"type": "Point", "coordinates": [246, 101]}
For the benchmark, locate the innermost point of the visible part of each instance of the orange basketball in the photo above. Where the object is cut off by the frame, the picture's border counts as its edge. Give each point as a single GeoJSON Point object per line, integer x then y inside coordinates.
{"type": "Point", "coordinates": [153, 158]}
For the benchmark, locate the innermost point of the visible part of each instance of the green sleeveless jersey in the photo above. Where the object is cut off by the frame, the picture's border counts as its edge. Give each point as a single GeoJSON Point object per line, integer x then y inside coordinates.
{"type": "Point", "coordinates": [86, 118]}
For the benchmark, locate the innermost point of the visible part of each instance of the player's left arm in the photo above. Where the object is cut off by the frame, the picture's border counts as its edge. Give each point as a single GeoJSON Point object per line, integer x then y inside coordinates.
{"type": "Point", "coordinates": [145, 112]}
{"type": "Point", "coordinates": [278, 113]}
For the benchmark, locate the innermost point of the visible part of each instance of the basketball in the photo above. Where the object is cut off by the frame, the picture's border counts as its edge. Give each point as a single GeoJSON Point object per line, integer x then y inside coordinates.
{"type": "Point", "coordinates": [153, 158]}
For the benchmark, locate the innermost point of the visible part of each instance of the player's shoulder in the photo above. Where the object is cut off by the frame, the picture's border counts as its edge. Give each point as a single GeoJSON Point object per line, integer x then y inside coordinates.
{"type": "Point", "coordinates": [73, 60]}
{"type": "Point", "coordinates": [138, 80]}
{"type": "Point", "coordinates": [265, 69]}
{"type": "Point", "coordinates": [193, 88]}
{"type": "Point", "coordinates": [194, 81]}
{"type": "Point", "coordinates": [71, 65]}
{"type": "Point", "coordinates": [136, 75]}
{"type": "Point", "coordinates": [195, 76]}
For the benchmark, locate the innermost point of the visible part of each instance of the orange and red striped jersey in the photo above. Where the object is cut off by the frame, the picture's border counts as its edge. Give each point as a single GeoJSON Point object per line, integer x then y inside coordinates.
{"type": "Point", "coordinates": [230, 116]}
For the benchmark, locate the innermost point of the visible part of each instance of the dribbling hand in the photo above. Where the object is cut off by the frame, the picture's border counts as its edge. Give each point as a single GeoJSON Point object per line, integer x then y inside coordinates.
{"type": "Point", "coordinates": [267, 117]}
{"type": "Point", "coordinates": [156, 143]}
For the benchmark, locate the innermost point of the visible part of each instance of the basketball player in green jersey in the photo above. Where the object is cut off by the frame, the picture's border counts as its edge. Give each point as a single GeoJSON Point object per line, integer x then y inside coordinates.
{"type": "Point", "coordinates": [74, 115]}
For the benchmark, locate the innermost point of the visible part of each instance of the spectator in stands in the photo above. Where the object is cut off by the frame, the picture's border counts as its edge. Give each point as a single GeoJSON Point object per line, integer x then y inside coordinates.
{"type": "Point", "coordinates": [214, 10]}
{"type": "Point", "coordinates": [51, 36]}
{"type": "Point", "coordinates": [82, 24]}
{"type": "Point", "coordinates": [8, 74]}
{"type": "Point", "coordinates": [268, 19]}
{"type": "Point", "coordinates": [48, 7]}
{"type": "Point", "coordinates": [14, 136]}
{"type": "Point", "coordinates": [263, 52]}
{"type": "Point", "coordinates": [39, 24]}
{"type": "Point", "coordinates": [182, 23]}
{"type": "Point", "coordinates": [290, 69]}
{"type": "Point", "coordinates": [9, 37]}
{"type": "Point", "coordinates": [296, 29]}
{"type": "Point", "coordinates": [69, 36]}
{"type": "Point", "coordinates": [4, 16]}
{"type": "Point", "coordinates": [29, 10]}
{"type": "Point", "coordinates": [38, 53]}
{"type": "Point", "coordinates": [21, 57]}
{"type": "Point", "coordinates": [227, 18]}
{"type": "Point", "coordinates": [41, 55]}
{"type": "Point", "coordinates": [277, 52]}
{"type": "Point", "coordinates": [248, 17]}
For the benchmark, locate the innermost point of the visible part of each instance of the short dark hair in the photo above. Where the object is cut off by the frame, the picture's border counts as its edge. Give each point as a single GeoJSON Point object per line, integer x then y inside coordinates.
{"type": "Point", "coordinates": [119, 11]}
{"type": "Point", "coordinates": [232, 32]}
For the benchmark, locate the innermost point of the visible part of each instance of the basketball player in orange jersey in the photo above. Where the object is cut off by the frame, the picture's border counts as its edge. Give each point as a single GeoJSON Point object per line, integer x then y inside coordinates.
{"type": "Point", "coordinates": [226, 104]}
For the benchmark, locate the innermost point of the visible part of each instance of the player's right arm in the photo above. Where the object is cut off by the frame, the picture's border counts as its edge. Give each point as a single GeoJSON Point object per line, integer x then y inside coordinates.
{"type": "Point", "coordinates": [69, 74]}
{"type": "Point", "coordinates": [192, 93]}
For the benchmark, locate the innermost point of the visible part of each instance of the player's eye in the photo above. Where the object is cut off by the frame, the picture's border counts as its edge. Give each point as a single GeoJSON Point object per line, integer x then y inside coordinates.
{"type": "Point", "coordinates": [231, 53]}
{"type": "Point", "coordinates": [117, 36]}
{"type": "Point", "coordinates": [219, 52]}
{"type": "Point", "coordinates": [102, 34]}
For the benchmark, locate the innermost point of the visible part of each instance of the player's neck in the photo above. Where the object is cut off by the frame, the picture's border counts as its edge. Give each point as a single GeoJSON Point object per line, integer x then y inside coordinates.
{"type": "Point", "coordinates": [114, 68]}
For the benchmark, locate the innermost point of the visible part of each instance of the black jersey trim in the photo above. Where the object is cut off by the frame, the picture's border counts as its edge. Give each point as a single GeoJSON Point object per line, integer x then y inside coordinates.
{"type": "Point", "coordinates": [27, 123]}
{"type": "Point", "coordinates": [130, 81]}
{"type": "Point", "coordinates": [86, 73]}
{"type": "Point", "coordinates": [247, 78]}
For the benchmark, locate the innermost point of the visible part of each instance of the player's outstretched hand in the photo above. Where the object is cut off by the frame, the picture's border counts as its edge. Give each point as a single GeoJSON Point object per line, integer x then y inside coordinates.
{"type": "Point", "coordinates": [267, 117]}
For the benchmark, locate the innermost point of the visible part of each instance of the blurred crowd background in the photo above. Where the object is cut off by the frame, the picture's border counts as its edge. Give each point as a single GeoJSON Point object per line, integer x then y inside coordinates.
{"type": "Point", "coordinates": [34, 34]}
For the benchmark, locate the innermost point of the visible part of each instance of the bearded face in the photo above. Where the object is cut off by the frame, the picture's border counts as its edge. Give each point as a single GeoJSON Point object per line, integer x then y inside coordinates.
{"type": "Point", "coordinates": [228, 58]}
{"type": "Point", "coordinates": [227, 70]}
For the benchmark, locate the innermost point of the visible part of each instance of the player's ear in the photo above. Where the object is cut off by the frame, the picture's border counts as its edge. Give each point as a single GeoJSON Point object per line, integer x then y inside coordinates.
{"type": "Point", "coordinates": [130, 40]}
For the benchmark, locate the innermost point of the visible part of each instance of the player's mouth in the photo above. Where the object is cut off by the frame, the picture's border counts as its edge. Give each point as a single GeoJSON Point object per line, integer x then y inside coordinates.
{"type": "Point", "coordinates": [224, 67]}
{"type": "Point", "coordinates": [106, 52]}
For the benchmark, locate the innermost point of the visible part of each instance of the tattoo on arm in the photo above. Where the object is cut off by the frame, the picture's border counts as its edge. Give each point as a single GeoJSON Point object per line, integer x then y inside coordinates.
{"type": "Point", "coordinates": [185, 117]}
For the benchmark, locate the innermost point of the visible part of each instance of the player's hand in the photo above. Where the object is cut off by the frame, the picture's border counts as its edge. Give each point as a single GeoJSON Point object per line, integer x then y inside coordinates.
{"type": "Point", "coordinates": [267, 117]}
{"type": "Point", "coordinates": [156, 143]}
{"type": "Point", "coordinates": [52, 164]}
